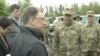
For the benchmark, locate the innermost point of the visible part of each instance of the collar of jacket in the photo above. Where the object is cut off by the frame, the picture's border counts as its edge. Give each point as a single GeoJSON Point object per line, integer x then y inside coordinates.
{"type": "Point", "coordinates": [91, 25]}
{"type": "Point", "coordinates": [35, 32]}
{"type": "Point", "coordinates": [14, 19]}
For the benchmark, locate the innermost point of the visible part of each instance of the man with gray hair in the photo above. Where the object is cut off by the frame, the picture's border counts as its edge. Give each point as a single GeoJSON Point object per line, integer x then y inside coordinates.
{"type": "Point", "coordinates": [27, 42]}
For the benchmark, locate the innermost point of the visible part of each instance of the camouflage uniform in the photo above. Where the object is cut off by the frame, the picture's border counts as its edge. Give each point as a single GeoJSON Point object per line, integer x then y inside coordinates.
{"type": "Point", "coordinates": [90, 39]}
{"type": "Point", "coordinates": [46, 42]}
{"type": "Point", "coordinates": [66, 39]}
{"type": "Point", "coordinates": [46, 36]}
{"type": "Point", "coordinates": [46, 32]}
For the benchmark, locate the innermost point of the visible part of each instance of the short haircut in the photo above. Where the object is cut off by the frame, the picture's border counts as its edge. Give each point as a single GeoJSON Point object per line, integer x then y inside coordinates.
{"type": "Point", "coordinates": [14, 6]}
{"type": "Point", "coordinates": [29, 12]}
{"type": "Point", "coordinates": [5, 22]}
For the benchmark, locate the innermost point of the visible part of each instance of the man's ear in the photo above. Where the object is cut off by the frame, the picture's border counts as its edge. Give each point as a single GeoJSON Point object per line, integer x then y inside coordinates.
{"type": "Point", "coordinates": [12, 13]}
{"type": "Point", "coordinates": [32, 20]}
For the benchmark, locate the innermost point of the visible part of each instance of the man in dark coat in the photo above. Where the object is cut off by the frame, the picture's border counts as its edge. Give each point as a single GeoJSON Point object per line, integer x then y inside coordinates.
{"type": "Point", "coordinates": [15, 15]}
{"type": "Point", "coordinates": [27, 42]}
{"type": "Point", "coordinates": [4, 46]}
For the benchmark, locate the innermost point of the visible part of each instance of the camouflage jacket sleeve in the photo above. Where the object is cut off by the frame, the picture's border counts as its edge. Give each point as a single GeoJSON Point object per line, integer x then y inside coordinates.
{"type": "Point", "coordinates": [55, 42]}
{"type": "Point", "coordinates": [80, 36]}
{"type": "Point", "coordinates": [98, 49]}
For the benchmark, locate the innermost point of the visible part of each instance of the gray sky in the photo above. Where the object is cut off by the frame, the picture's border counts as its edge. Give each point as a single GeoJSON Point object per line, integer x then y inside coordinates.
{"type": "Point", "coordinates": [56, 2]}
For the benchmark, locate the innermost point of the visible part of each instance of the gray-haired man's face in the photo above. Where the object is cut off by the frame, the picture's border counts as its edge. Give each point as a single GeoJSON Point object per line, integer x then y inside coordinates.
{"type": "Point", "coordinates": [39, 22]}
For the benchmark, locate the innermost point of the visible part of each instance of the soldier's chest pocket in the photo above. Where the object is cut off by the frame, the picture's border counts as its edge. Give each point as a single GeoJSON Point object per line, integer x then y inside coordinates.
{"type": "Point", "coordinates": [62, 32]}
{"type": "Point", "coordinates": [67, 32]}
{"type": "Point", "coordinates": [92, 33]}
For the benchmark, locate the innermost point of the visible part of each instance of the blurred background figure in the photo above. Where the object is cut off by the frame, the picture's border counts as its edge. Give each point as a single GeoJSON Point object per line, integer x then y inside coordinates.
{"type": "Point", "coordinates": [90, 38]}
{"type": "Point", "coordinates": [4, 28]}
{"type": "Point", "coordinates": [15, 15]}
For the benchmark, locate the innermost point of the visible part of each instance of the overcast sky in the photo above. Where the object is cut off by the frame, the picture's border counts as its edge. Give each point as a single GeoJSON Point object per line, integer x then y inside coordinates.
{"type": "Point", "coordinates": [55, 2]}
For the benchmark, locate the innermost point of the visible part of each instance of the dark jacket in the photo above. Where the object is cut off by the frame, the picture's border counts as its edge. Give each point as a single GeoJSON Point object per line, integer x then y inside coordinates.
{"type": "Point", "coordinates": [27, 43]}
{"type": "Point", "coordinates": [4, 50]}
{"type": "Point", "coordinates": [14, 29]}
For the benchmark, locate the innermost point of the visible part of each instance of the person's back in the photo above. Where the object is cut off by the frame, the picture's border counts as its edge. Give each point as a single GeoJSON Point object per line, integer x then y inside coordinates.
{"type": "Point", "coordinates": [26, 42]}
{"type": "Point", "coordinates": [13, 31]}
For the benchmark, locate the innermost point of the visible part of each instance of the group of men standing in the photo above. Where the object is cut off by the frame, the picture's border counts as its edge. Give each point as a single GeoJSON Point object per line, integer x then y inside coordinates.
{"type": "Point", "coordinates": [24, 40]}
{"type": "Point", "coordinates": [73, 39]}
{"type": "Point", "coordinates": [70, 37]}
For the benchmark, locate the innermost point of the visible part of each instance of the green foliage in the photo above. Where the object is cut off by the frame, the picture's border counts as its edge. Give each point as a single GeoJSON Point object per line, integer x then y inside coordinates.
{"type": "Point", "coordinates": [52, 11]}
{"type": "Point", "coordinates": [79, 10]}
{"type": "Point", "coordinates": [61, 8]}
{"type": "Point", "coordinates": [4, 9]}
{"type": "Point", "coordinates": [24, 3]}
{"type": "Point", "coordinates": [94, 6]}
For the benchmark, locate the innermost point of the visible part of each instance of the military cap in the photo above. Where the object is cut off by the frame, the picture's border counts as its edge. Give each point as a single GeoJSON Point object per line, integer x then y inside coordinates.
{"type": "Point", "coordinates": [90, 13]}
{"type": "Point", "coordinates": [69, 11]}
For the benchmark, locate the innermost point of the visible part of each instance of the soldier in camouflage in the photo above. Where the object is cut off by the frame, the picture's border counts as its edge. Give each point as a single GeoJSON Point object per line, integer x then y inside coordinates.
{"type": "Point", "coordinates": [66, 37]}
{"type": "Point", "coordinates": [45, 33]}
{"type": "Point", "coordinates": [46, 39]}
{"type": "Point", "coordinates": [48, 33]}
{"type": "Point", "coordinates": [90, 37]}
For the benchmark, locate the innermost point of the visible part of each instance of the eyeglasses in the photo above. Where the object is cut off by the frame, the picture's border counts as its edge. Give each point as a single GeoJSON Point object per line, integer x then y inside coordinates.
{"type": "Point", "coordinates": [68, 15]}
